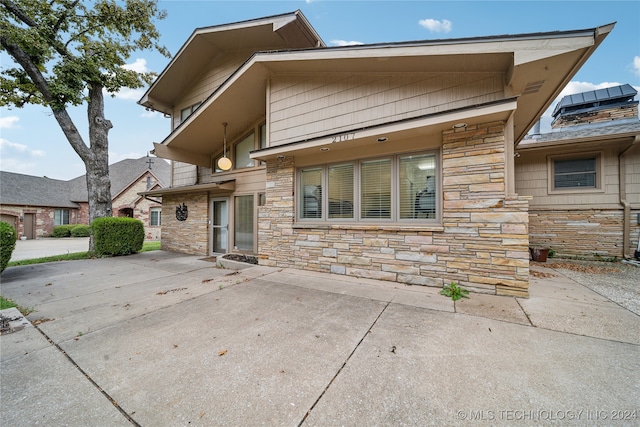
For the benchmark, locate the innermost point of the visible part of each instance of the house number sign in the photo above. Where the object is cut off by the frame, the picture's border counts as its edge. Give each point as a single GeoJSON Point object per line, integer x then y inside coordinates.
{"type": "Point", "coordinates": [182, 212]}
{"type": "Point", "coordinates": [344, 137]}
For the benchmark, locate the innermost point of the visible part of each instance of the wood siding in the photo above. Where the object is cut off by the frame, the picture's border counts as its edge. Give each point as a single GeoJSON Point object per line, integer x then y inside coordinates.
{"type": "Point", "coordinates": [218, 72]}
{"type": "Point", "coordinates": [532, 179]}
{"type": "Point", "coordinates": [305, 106]}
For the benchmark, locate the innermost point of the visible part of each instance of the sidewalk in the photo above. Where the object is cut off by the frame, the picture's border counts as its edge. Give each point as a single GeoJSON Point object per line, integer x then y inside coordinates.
{"type": "Point", "coordinates": [161, 339]}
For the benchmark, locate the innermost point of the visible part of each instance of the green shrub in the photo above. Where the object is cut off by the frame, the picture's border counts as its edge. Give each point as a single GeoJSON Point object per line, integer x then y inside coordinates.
{"type": "Point", "coordinates": [117, 236]}
{"type": "Point", "coordinates": [7, 244]}
{"type": "Point", "coordinates": [61, 231]}
{"type": "Point", "coordinates": [81, 230]}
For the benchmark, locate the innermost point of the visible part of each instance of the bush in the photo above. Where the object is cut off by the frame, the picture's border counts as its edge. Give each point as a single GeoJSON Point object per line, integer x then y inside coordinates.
{"type": "Point", "coordinates": [117, 236]}
{"type": "Point", "coordinates": [7, 244]}
{"type": "Point", "coordinates": [61, 231]}
{"type": "Point", "coordinates": [81, 230]}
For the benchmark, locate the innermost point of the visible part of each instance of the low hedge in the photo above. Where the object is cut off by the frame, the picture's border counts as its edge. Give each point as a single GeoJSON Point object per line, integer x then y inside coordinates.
{"type": "Point", "coordinates": [7, 244]}
{"type": "Point", "coordinates": [117, 236]}
{"type": "Point", "coordinates": [62, 231]}
{"type": "Point", "coordinates": [81, 230]}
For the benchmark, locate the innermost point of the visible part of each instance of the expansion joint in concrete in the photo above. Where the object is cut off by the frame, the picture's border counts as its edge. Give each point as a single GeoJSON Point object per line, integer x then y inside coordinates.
{"type": "Point", "coordinates": [344, 364]}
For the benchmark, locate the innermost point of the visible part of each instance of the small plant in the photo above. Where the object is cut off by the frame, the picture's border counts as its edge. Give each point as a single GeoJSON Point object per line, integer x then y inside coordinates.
{"type": "Point", "coordinates": [7, 244]}
{"type": "Point", "coordinates": [454, 291]}
{"type": "Point", "coordinates": [552, 252]}
{"type": "Point", "coordinates": [81, 230]}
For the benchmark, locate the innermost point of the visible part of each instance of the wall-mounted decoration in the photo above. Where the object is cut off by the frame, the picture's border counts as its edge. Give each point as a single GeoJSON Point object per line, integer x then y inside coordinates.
{"type": "Point", "coordinates": [182, 212]}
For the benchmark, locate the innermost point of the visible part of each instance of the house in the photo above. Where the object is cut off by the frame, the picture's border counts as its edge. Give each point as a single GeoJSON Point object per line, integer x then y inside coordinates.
{"type": "Point", "coordinates": [34, 205]}
{"type": "Point", "coordinates": [584, 176]}
{"type": "Point", "coordinates": [391, 161]}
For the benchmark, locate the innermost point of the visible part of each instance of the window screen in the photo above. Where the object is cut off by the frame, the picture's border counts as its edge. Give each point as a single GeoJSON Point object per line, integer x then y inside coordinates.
{"type": "Point", "coordinates": [575, 173]}
{"type": "Point", "coordinates": [417, 186]}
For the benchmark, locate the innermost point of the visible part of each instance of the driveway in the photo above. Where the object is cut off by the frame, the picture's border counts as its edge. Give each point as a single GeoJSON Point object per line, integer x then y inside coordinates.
{"type": "Point", "coordinates": [161, 339]}
{"type": "Point", "coordinates": [48, 246]}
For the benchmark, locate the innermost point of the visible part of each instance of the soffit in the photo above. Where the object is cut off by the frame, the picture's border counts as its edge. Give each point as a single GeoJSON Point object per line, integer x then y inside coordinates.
{"type": "Point", "coordinates": [535, 71]}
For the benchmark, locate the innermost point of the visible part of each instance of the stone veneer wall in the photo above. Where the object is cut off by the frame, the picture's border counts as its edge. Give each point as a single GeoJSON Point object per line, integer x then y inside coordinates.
{"type": "Point", "coordinates": [604, 115]}
{"type": "Point", "coordinates": [585, 233]}
{"type": "Point", "coordinates": [192, 235]}
{"type": "Point", "coordinates": [482, 243]}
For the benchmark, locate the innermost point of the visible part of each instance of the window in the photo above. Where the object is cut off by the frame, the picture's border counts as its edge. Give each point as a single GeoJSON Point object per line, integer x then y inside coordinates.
{"type": "Point", "coordinates": [575, 173]}
{"type": "Point", "coordinates": [397, 188]}
{"type": "Point", "coordinates": [242, 151]}
{"type": "Point", "coordinates": [186, 112]}
{"type": "Point", "coordinates": [243, 224]}
{"type": "Point", "coordinates": [61, 217]}
{"type": "Point", "coordinates": [155, 217]}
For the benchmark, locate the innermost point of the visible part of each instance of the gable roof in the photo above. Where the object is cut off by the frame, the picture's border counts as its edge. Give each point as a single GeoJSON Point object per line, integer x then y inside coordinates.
{"type": "Point", "coordinates": [19, 189]}
{"type": "Point", "coordinates": [278, 32]}
{"type": "Point", "coordinates": [537, 67]}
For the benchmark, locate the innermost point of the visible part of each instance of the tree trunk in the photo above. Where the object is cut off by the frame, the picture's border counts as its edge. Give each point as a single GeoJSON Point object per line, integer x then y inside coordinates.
{"type": "Point", "coordinates": [95, 157]}
{"type": "Point", "coordinates": [98, 180]}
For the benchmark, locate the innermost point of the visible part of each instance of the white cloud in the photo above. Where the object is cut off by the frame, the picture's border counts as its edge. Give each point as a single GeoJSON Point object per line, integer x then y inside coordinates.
{"type": "Point", "coordinates": [8, 122]}
{"type": "Point", "coordinates": [345, 43]}
{"type": "Point", "coordinates": [150, 114]}
{"type": "Point", "coordinates": [636, 65]}
{"type": "Point", "coordinates": [436, 26]}
{"type": "Point", "coordinates": [17, 166]}
{"type": "Point", "coordinates": [130, 94]}
{"type": "Point", "coordinates": [139, 66]}
{"type": "Point", "coordinates": [8, 146]}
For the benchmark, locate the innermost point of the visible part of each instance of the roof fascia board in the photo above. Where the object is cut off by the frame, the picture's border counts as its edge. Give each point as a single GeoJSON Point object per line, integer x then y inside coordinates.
{"type": "Point", "coordinates": [227, 185]}
{"type": "Point", "coordinates": [171, 153]}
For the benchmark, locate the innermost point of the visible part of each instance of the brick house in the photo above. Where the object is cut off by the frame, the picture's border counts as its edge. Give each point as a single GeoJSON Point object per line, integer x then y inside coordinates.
{"type": "Point", "coordinates": [392, 161]}
{"type": "Point", "coordinates": [584, 176]}
{"type": "Point", "coordinates": [33, 205]}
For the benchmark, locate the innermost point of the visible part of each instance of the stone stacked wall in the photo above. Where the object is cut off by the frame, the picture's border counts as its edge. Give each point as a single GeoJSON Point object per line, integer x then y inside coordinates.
{"type": "Point", "coordinates": [192, 235]}
{"type": "Point", "coordinates": [482, 243]}
{"type": "Point", "coordinates": [598, 116]}
{"type": "Point", "coordinates": [588, 233]}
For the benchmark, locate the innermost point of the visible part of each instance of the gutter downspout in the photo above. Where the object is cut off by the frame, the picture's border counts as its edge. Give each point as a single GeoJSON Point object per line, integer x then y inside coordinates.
{"type": "Point", "coordinates": [626, 217]}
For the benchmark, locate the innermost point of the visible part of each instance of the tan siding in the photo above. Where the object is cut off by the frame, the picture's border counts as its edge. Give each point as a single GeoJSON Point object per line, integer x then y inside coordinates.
{"type": "Point", "coordinates": [305, 106]}
{"type": "Point", "coordinates": [247, 181]}
{"type": "Point", "coordinates": [632, 166]}
{"type": "Point", "coordinates": [532, 180]}
{"type": "Point", "coordinates": [209, 81]}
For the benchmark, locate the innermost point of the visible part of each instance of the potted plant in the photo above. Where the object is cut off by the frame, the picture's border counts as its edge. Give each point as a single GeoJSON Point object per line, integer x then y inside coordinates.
{"type": "Point", "coordinates": [539, 254]}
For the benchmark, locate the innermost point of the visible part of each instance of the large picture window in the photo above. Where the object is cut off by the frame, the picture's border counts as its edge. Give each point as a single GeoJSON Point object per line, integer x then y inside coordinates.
{"type": "Point", "coordinates": [396, 188]}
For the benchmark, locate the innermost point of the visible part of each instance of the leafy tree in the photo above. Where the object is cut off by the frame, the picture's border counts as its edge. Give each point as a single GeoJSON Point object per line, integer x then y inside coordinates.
{"type": "Point", "coordinates": [67, 53]}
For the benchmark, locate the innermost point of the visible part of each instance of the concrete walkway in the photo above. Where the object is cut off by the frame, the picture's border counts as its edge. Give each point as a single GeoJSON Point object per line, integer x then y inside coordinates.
{"type": "Point", "coordinates": [160, 339]}
{"type": "Point", "coordinates": [48, 246]}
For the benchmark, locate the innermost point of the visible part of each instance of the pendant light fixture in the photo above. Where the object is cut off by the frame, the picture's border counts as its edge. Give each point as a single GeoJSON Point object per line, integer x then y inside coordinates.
{"type": "Point", "coordinates": [224, 163]}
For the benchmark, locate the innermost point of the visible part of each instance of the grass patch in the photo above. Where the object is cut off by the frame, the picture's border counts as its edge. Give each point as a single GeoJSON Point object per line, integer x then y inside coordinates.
{"type": "Point", "coordinates": [6, 303]}
{"type": "Point", "coordinates": [146, 247]}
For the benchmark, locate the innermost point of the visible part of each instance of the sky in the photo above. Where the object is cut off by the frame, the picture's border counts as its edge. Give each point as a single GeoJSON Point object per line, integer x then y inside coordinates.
{"type": "Point", "coordinates": [32, 143]}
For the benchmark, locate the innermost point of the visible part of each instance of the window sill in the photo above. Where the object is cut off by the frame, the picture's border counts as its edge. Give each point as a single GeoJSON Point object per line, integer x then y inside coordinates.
{"type": "Point", "coordinates": [575, 190]}
{"type": "Point", "coordinates": [371, 227]}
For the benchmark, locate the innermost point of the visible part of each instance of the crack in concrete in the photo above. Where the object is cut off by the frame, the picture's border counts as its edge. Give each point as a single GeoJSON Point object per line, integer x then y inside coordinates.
{"type": "Point", "coordinates": [100, 389]}
{"type": "Point", "coordinates": [306, 415]}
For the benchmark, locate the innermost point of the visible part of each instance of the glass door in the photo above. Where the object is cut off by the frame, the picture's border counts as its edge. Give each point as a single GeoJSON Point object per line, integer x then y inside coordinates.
{"type": "Point", "coordinates": [220, 226]}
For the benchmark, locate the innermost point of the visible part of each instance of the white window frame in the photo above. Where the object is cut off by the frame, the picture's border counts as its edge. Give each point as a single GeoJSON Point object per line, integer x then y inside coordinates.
{"type": "Point", "coordinates": [395, 193]}
{"type": "Point", "coordinates": [151, 211]}
{"type": "Point", "coordinates": [58, 217]}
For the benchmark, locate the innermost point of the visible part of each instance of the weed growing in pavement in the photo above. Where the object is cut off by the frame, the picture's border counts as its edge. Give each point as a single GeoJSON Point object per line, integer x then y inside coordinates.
{"type": "Point", "coordinates": [454, 291]}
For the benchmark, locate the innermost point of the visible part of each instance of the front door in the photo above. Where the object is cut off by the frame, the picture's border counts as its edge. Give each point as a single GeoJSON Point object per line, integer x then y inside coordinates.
{"type": "Point", "coordinates": [29, 220]}
{"type": "Point", "coordinates": [220, 226]}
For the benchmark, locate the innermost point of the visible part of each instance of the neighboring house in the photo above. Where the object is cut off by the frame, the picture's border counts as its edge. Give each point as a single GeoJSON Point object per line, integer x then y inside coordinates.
{"type": "Point", "coordinates": [584, 176]}
{"type": "Point", "coordinates": [391, 161]}
{"type": "Point", "coordinates": [34, 205]}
